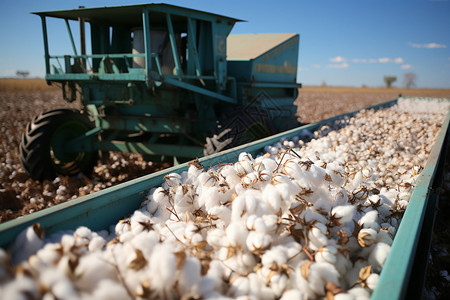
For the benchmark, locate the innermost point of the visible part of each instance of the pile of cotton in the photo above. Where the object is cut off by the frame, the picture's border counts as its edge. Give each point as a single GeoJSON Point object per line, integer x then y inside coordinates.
{"type": "Point", "coordinates": [305, 220]}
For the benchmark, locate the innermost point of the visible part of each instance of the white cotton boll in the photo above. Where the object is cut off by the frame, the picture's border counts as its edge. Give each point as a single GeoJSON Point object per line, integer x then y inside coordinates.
{"type": "Point", "coordinates": [172, 180]}
{"type": "Point", "coordinates": [384, 236]}
{"type": "Point", "coordinates": [216, 238]}
{"type": "Point", "coordinates": [244, 156]}
{"type": "Point", "coordinates": [258, 241]}
{"type": "Point", "coordinates": [250, 179]}
{"type": "Point", "coordinates": [221, 212]}
{"type": "Point", "coordinates": [357, 180]}
{"type": "Point", "coordinates": [248, 261]}
{"type": "Point", "coordinates": [318, 236]}
{"type": "Point", "coordinates": [210, 196]}
{"type": "Point", "coordinates": [239, 287]}
{"type": "Point", "coordinates": [163, 263]}
{"type": "Point", "coordinates": [258, 288]}
{"type": "Point", "coordinates": [189, 276]}
{"type": "Point", "coordinates": [352, 275]}
{"type": "Point", "coordinates": [260, 225]}
{"type": "Point", "coordinates": [343, 213]}
{"type": "Point", "coordinates": [192, 173]}
{"type": "Point", "coordinates": [343, 263]}
{"type": "Point", "coordinates": [49, 254]}
{"type": "Point", "coordinates": [91, 269]}
{"type": "Point", "coordinates": [292, 169]}
{"type": "Point", "coordinates": [367, 237]}
{"type": "Point", "coordinates": [250, 222]}
{"type": "Point", "coordinates": [139, 222]}
{"type": "Point", "coordinates": [359, 293]}
{"type": "Point", "coordinates": [83, 236]}
{"type": "Point", "coordinates": [369, 217]}
{"type": "Point", "coordinates": [391, 229]}
{"type": "Point", "coordinates": [230, 174]}
{"type": "Point", "coordinates": [269, 164]}
{"type": "Point", "coordinates": [236, 234]}
{"type": "Point", "coordinates": [243, 167]}
{"type": "Point", "coordinates": [63, 289]}
{"type": "Point", "coordinates": [317, 174]}
{"type": "Point", "coordinates": [343, 296]}
{"type": "Point", "coordinates": [341, 197]}
{"type": "Point", "coordinates": [373, 225]}
{"type": "Point", "coordinates": [50, 277]}
{"type": "Point", "coordinates": [97, 243]}
{"type": "Point", "coordinates": [205, 288]}
{"type": "Point", "coordinates": [276, 255]}
{"type": "Point", "coordinates": [272, 197]}
{"type": "Point", "coordinates": [278, 283]}
{"type": "Point", "coordinates": [28, 242]}
{"type": "Point", "coordinates": [109, 290]}
{"type": "Point", "coordinates": [378, 256]}
{"type": "Point", "coordinates": [21, 288]}
{"type": "Point", "coordinates": [372, 281]}
{"type": "Point", "coordinates": [320, 274]}
{"type": "Point", "coordinates": [336, 175]}
{"type": "Point", "coordinates": [145, 241]}
{"type": "Point", "coordinates": [270, 223]}
{"type": "Point", "coordinates": [402, 204]}
{"type": "Point", "coordinates": [125, 237]}
{"type": "Point", "coordinates": [287, 190]}
{"type": "Point", "coordinates": [326, 254]}
{"type": "Point", "coordinates": [238, 208]}
{"type": "Point", "coordinates": [312, 215]}
{"type": "Point", "coordinates": [216, 273]}
{"type": "Point", "coordinates": [160, 196]}
{"type": "Point", "coordinates": [122, 226]}
{"type": "Point", "coordinates": [293, 294]}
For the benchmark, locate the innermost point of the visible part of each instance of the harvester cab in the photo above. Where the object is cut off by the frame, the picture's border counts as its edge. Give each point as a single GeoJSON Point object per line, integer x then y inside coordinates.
{"type": "Point", "coordinates": [160, 80]}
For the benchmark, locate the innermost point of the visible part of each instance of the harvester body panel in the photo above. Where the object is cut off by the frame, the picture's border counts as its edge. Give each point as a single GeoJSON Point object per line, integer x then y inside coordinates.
{"type": "Point", "coordinates": [155, 77]}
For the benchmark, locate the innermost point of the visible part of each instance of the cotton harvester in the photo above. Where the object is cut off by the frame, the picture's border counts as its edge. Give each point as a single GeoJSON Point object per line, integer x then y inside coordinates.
{"type": "Point", "coordinates": [164, 81]}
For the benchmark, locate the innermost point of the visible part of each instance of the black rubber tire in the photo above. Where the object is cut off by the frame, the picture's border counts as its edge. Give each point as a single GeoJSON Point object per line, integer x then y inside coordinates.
{"type": "Point", "coordinates": [239, 125]}
{"type": "Point", "coordinates": [36, 153]}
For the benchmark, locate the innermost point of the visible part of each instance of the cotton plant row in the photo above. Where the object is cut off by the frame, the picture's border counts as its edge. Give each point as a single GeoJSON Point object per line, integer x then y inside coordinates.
{"type": "Point", "coordinates": [302, 221]}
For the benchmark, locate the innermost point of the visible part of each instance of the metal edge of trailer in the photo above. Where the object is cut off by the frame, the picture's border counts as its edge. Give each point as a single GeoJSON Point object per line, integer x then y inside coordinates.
{"type": "Point", "coordinates": [401, 273]}
{"type": "Point", "coordinates": [101, 209]}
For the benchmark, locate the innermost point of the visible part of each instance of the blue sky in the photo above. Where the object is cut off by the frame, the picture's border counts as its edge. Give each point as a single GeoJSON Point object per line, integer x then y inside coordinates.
{"type": "Point", "coordinates": [342, 42]}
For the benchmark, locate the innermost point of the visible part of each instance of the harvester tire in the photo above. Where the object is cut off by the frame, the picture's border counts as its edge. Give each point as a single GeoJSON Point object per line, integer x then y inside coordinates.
{"type": "Point", "coordinates": [240, 125]}
{"type": "Point", "coordinates": [42, 146]}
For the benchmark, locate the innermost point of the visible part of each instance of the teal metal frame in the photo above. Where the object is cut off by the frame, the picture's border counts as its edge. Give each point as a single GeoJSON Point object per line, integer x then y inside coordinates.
{"type": "Point", "coordinates": [185, 101]}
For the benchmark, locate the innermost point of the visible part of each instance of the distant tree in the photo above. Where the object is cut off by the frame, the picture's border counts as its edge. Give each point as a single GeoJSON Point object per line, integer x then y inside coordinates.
{"type": "Point", "coordinates": [324, 84]}
{"type": "Point", "coordinates": [410, 80]}
{"type": "Point", "coordinates": [22, 73]}
{"type": "Point", "coordinates": [389, 80]}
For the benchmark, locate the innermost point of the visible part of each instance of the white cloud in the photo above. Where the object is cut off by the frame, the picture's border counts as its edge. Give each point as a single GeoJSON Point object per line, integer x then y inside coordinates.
{"type": "Point", "coordinates": [406, 66]}
{"type": "Point", "coordinates": [398, 60]}
{"type": "Point", "coordinates": [428, 46]}
{"type": "Point", "coordinates": [338, 59]}
{"type": "Point", "coordinates": [384, 60]}
{"type": "Point", "coordinates": [372, 60]}
{"type": "Point", "coordinates": [338, 66]}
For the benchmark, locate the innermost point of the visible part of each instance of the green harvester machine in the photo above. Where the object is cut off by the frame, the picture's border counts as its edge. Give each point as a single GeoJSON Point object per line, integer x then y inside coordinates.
{"type": "Point", "coordinates": [164, 81]}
